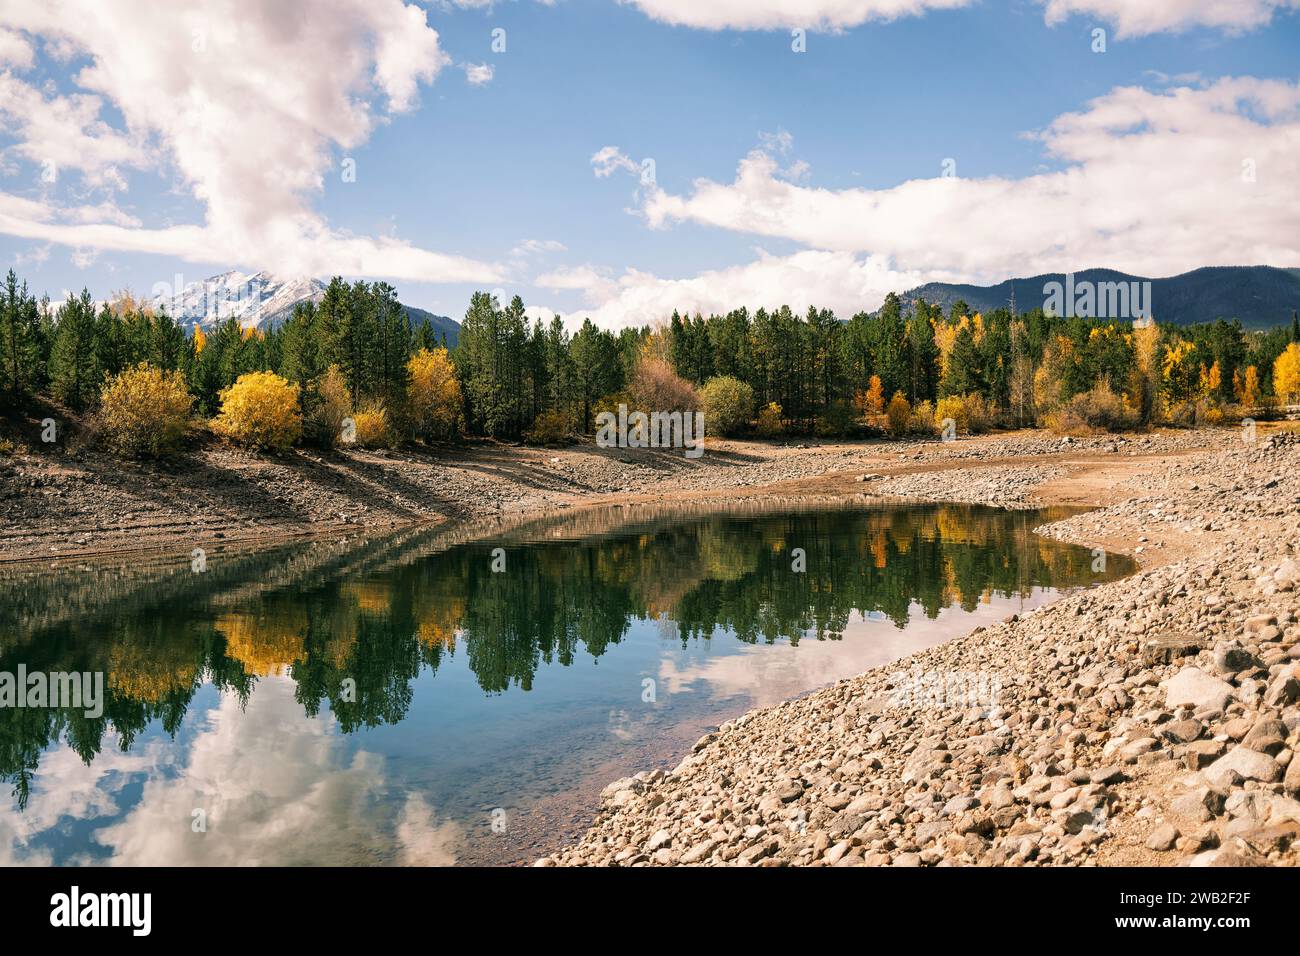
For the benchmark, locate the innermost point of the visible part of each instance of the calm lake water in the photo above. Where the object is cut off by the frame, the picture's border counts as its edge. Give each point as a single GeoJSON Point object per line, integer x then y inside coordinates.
{"type": "Point", "coordinates": [396, 700]}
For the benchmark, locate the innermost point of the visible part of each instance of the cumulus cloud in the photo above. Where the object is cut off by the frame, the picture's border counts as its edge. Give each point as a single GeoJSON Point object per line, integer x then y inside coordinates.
{"type": "Point", "coordinates": [1141, 17]}
{"type": "Point", "coordinates": [1130, 17]}
{"type": "Point", "coordinates": [585, 278]}
{"type": "Point", "coordinates": [788, 14]}
{"type": "Point", "coordinates": [65, 133]}
{"type": "Point", "coordinates": [277, 790]}
{"type": "Point", "coordinates": [1152, 182]}
{"type": "Point", "coordinates": [840, 281]}
{"type": "Point", "coordinates": [250, 104]}
{"type": "Point", "coordinates": [15, 50]}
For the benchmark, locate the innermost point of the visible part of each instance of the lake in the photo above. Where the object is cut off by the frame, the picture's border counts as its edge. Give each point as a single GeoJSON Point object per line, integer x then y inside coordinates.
{"type": "Point", "coordinates": [460, 695]}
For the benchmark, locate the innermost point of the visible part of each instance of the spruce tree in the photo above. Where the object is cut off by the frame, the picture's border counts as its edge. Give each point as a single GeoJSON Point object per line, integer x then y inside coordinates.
{"type": "Point", "coordinates": [74, 358]}
{"type": "Point", "coordinates": [963, 366]}
{"type": "Point", "coordinates": [20, 341]}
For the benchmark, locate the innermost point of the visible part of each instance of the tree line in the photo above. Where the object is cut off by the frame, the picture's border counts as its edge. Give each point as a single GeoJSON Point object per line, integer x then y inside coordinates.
{"type": "Point", "coordinates": [895, 368]}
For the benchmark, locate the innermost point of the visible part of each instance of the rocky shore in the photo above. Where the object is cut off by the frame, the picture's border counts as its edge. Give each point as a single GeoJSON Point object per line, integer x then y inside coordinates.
{"type": "Point", "coordinates": [60, 503]}
{"type": "Point", "coordinates": [1152, 720]}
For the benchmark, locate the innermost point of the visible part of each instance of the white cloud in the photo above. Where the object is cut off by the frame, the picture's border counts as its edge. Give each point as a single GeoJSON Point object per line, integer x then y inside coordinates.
{"type": "Point", "coordinates": [277, 789]}
{"type": "Point", "coordinates": [537, 247]}
{"type": "Point", "coordinates": [64, 133]}
{"type": "Point", "coordinates": [789, 14]}
{"type": "Point", "coordinates": [606, 160]}
{"type": "Point", "coordinates": [1141, 17]}
{"type": "Point", "coordinates": [1130, 17]}
{"type": "Point", "coordinates": [250, 108]}
{"type": "Point", "coordinates": [840, 281]}
{"type": "Point", "coordinates": [586, 278]}
{"type": "Point", "coordinates": [479, 74]}
{"type": "Point", "coordinates": [15, 50]}
{"type": "Point", "coordinates": [1153, 182]}
{"type": "Point", "coordinates": [38, 255]}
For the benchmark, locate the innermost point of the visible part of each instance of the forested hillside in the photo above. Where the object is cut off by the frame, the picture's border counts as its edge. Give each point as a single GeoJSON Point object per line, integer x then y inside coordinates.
{"type": "Point", "coordinates": [355, 362]}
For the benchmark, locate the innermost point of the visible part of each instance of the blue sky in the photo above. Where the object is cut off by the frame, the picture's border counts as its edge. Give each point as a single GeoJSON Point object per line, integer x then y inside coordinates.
{"type": "Point", "coordinates": [844, 146]}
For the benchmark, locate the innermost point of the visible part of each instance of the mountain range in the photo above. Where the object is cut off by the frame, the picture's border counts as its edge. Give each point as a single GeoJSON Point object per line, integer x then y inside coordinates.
{"type": "Point", "coordinates": [1260, 296]}
{"type": "Point", "coordinates": [263, 300]}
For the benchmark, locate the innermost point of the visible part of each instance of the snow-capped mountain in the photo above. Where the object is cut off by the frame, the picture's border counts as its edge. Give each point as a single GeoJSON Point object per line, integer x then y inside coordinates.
{"type": "Point", "coordinates": [260, 300]}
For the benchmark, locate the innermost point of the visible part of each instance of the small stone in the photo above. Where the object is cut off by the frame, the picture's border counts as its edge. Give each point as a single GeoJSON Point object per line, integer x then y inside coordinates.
{"type": "Point", "coordinates": [698, 852]}
{"type": "Point", "coordinates": [1182, 731]}
{"type": "Point", "coordinates": [1163, 838]}
{"type": "Point", "coordinates": [957, 805]}
{"type": "Point", "coordinates": [792, 791]}
{"type": "Point", "coordinates": [1230, 657]}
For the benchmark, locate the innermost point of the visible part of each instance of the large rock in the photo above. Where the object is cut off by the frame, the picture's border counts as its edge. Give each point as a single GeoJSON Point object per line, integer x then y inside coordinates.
{"type": "Point", "coordinates": [1284, 690]}
{"type": "Point", "coordinates": [1291, 783]}
{"type": "Point", "coordinates": [1249, 763]}
{"type": "Point", "coordinates": [1167, 648]}
{"type": "Point", "coordinates": [1192, 686]}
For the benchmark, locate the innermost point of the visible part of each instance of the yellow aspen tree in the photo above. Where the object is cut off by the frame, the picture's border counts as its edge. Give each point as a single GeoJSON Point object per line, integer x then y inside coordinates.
{"type": "Point", "coordinates": [1286, 375]}
{"type": "Point", "coordinates": [1250, 387]}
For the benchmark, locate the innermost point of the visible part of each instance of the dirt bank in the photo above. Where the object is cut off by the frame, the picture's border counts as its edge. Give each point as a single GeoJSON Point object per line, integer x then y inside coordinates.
{"type": "Point", "coordinates": [60, 504]}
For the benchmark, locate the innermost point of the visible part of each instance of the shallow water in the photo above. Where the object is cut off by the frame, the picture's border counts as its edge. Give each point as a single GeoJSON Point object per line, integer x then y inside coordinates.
{"type": "Point", "coordinates": [425, 698]}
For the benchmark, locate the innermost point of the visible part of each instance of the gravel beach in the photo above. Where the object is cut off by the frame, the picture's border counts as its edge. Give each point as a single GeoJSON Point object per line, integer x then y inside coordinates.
{"type": "Point", "coordinates": [1153, 720]}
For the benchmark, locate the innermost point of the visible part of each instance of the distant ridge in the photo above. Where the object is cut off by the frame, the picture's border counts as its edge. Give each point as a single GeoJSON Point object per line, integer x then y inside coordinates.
{"type": "Point", "coordinates": [262, 300]}
{"type": "Point", "coordinates": [1260, 296]}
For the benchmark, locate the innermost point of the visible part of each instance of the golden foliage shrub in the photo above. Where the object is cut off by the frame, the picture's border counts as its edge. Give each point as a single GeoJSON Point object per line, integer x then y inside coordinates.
{"type": "Point", "coordinates": [551, 427]}
{"type": "Point", "coordinates": [433, 395]}
{"type": "Point", "coordinates": [655, 387]}
{"type": "Point", "coordinates": [144, 412]}
{"type": "Point", "coordinates": [953, 407]}
{"type": "Point", "coordinates": [980, 416]}
{"type": "Point", "coordinates": [330, 408]}
{"type": "Point", "coordinates": [899, 415]}
{"type": "Point", "coordinates": [770, 424]}
{"type": "Point", "coordinates": [1098, 409]}
{"type": "Point", "coordinates": [371, 427]}
{"type": "Point", "coordinates": [923, 418]}
{"type": "Point", "coordinates": [260, 411]}
{"type": "Point", "coordinates": [727, 403]}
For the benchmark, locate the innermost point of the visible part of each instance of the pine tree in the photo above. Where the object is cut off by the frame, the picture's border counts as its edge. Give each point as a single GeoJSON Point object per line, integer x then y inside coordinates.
{"type": "Point", "coordinates": [478, 365]}
{"type": "Point", "coordinates": [889, 347]}
{"type": "Point", "coordinates": [923, 355]}
{"type": "Point", "coordinates": [355, 335]}
{"type": "Point", "coordinates": [964, 374]}
{"type": "Point", "coordinates": [74, 358]}
{"type": "Point", "coordinates": [596, 368]}
{"type": "Point", "coordinates": [391, 347]}
{"type": "Point", "coordinates": [20, 341]}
